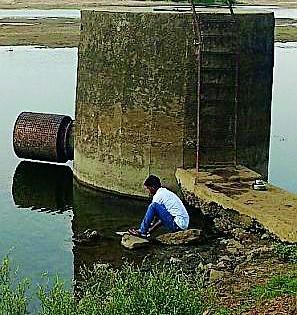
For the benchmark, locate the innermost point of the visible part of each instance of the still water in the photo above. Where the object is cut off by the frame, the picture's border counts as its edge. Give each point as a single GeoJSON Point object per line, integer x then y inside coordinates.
{"type": "Point", "coordinates": [43, 211]}
{"type": "Point", "coordinates": [33, 14]}
{"type": "Point", "coordinates": [34, 80]}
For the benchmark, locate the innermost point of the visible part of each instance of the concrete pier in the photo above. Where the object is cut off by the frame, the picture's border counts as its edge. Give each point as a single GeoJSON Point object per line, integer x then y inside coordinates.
{"type": "Point", "coordinates": [149, 101]}
{"type": "Point", "coordinates": [230, 190]}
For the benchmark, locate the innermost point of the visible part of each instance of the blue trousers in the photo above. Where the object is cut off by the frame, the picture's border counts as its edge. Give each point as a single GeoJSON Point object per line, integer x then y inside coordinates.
{"type": "Point", "coordinates": [159, 211]}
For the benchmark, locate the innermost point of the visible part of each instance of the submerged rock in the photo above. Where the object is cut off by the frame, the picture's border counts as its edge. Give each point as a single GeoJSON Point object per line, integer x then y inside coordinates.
{"type": "Point", "coordinates": [88, 236]}
{"type": "Point", "coordinates": [181, 237]}
{"type": "Point", "coordinates": [132, 242]}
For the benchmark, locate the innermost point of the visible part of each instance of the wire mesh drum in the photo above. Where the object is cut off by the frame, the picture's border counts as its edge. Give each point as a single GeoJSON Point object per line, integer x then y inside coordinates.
{"type": "Point", "coordinates": [45, 137]}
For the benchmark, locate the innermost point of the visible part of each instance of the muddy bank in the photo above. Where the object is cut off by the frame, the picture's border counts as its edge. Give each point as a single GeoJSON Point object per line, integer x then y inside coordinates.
{"type": "Point", "coordinates": [70, 4]}
{"type": "Point", "coordinates": [49, 32]}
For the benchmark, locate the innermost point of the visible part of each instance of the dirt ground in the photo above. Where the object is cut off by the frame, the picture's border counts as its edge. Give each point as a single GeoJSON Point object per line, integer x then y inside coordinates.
{"type": "Point", "coordinates": [46, 32]}
{"type": "Point", "coordinates": [56, 4]}
{"type": "Point", "coordinates": [50, 4]}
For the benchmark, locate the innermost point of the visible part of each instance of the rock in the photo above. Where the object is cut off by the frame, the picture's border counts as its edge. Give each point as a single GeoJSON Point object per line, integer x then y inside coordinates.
{"type": "Point", "coordinates": [226, 258]}
{"type": "Point", "coordinates": [222, 224]}
{"type": "Point", "coordinates": [233, 247]}
{"type": "Point", "coordinates": [243, 236]}
{"type": "Point", "coordinates": [181, 237]}
{"type": "Point", "coordinates": [88, 236]}
{"type": "Point", "coordinates": [258, 252]}
{"type": "Point", "coordinates": [221, 265]}
{"type": "Point", "coordinates": [224, 241]}
{"type": "Point", "coordinates": [216, 275]}
{"type": "Point", "coordinates": [132, 242]}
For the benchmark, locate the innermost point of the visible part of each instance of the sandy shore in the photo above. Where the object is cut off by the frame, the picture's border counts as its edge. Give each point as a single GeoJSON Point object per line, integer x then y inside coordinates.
{"type": "Point", "coordinates": [62, 32]}
{"type": "Point", "coordinates": [69, 4]}
{"type": "Point", "coordinates": [55, 4]}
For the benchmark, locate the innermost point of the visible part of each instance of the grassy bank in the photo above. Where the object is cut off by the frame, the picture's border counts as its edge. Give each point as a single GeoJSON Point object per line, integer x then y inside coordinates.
{"type": "Point", "coordinates": [167, 288]}
{"type": "Point", "coordinates": [161, 289]}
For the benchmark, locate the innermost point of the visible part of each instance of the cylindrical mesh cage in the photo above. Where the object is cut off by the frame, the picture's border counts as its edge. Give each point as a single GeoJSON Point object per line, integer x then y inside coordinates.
{"type": "Point", "coordinates": [40, 136]}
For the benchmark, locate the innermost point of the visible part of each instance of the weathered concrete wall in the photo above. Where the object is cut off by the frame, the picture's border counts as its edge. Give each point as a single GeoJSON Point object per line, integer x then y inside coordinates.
{"type": "Point", "coordinates": [255, 92]}
{"type": "Point", "coordinates": [136, 107]}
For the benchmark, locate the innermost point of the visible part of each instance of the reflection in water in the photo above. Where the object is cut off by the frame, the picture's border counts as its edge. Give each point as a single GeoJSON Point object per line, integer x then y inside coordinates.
{"type": "Point", "coordinates": [49, 188]}
{"type": "Point", "coordinates": [107, 214]}
{"type": "Point", "coordinates": [44, 187]}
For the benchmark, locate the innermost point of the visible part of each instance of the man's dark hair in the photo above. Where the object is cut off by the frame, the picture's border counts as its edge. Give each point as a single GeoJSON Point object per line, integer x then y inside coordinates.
{"type": "Point", "coordinates": [152, 181]}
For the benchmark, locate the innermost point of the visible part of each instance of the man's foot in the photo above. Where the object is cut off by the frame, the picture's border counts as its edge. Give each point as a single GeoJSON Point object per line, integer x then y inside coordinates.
{"type": "Point", "coordinates": [137, 233]}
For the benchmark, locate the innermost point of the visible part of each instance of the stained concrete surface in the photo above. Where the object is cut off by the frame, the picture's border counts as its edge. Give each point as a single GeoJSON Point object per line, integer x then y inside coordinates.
{"type": "Point", "coordinates": [275, 209]}
{"type": "Point", "coordinates": [136, 105]}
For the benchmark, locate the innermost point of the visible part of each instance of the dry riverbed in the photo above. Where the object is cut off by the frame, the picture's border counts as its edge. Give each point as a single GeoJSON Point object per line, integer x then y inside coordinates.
{"type": "Point", "coordinates": [49, 32]}
{"type": "Point", "coordinates": [64, 32]}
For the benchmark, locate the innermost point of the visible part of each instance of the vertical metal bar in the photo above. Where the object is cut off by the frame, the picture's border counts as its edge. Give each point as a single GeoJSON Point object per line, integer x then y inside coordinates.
{"type": "Point", "coordinates": [236, 96]}
{"type": "Point", "coordinates": [198, 43]}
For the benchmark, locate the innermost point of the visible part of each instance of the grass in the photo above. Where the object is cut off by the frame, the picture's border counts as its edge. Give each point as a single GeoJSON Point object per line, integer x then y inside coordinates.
{"type": "Point", "coordinates": [288, 253]}
{"type": "Point", "coordinates": [277, 286]}
{"type": "Point", "coordinates": [159, 289]}
{"type": "Point", "coordinates": [12, 292]}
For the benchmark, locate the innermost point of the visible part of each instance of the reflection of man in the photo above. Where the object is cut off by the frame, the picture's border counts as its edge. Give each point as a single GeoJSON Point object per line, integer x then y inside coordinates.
{"type": "Point", "coordinates": [166, 209]}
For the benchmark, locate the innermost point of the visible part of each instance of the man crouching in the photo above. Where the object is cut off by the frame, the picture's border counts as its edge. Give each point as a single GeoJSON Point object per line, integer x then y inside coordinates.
{"type": "Point", "coordinates": [166, 209]}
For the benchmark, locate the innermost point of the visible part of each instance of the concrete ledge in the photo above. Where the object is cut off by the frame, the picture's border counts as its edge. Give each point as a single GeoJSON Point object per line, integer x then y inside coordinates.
{"type": "Point", "coordinates": [275, 209]}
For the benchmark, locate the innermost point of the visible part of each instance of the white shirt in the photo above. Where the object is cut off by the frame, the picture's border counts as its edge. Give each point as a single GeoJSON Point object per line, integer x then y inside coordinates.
{"type": "Point", "coordinates": [173, 205]}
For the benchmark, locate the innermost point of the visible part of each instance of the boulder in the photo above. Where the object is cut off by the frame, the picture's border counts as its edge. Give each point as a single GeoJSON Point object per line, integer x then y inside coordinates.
{"type": "Point", "coordinates": [133, 242]}
{"type": "Point", "coordinates": [181, 237]}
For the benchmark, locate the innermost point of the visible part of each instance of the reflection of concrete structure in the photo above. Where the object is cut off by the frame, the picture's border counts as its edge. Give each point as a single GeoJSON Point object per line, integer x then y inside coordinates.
{"type": "Point", "coordinates": [50, 188]}
{"type": "Point", "coordinates": [107, 214]}
{"type": "Point", "coordinates": [141, 92]}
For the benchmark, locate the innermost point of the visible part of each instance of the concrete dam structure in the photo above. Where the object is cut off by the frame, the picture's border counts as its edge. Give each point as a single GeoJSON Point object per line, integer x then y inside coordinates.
{"type": "Point", "coordinates": [156, 92]}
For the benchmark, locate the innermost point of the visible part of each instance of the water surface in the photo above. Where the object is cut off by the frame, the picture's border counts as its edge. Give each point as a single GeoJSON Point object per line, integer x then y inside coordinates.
{"type": "Point", "coordinates": [283, 148]}
{"type": "Point", "coordinates": [33, 79]}
{"type": "Point", "coordinates": [25, 13]}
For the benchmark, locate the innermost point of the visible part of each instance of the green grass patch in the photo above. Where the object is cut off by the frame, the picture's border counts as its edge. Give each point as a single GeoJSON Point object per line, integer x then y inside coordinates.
{"type": "Point", "coordinates": [159, 289]}
{"type": "Point", "coordinates": [277, 286]}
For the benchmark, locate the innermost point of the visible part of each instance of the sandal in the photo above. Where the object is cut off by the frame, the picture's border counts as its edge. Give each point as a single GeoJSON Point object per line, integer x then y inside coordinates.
{"type": "Point", "coordinates": [137, 233]}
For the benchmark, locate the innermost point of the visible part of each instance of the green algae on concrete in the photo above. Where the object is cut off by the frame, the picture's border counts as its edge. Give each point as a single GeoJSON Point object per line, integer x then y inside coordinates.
{"type": "Point", "coordinates": [136, 104]}
{"type": "Point", "coordinates": [275, 209]}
